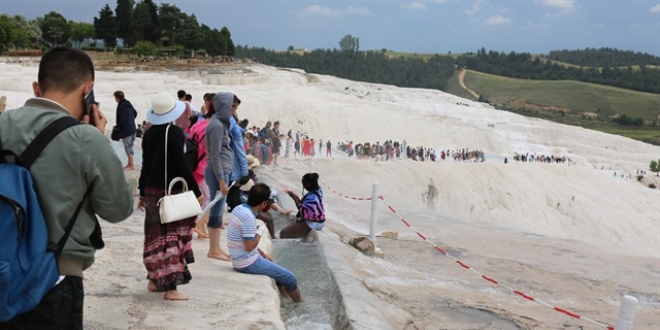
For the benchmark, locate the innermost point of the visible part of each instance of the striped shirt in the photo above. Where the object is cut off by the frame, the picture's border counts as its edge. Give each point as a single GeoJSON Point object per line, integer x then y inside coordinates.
{"type": "Point", "coordinates": [242, 226]}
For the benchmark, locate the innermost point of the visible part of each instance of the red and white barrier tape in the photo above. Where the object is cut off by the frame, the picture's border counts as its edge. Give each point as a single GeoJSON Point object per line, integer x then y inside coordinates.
{"type": "Point", "coordinates": [464, 265]}
{"type": "Point", "coordinates": [494, 281]}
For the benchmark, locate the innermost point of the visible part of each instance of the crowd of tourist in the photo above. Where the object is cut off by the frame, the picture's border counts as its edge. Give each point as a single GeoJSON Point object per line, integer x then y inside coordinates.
{"type": "Point", "coordinates": [534, 158]}
{"type": "Point", "coordinates": [79, 176]}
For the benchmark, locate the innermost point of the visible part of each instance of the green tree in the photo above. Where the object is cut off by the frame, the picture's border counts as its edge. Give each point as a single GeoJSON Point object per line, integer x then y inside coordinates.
{"type": "Point", "coordinates": [349, 43]}
{"type": "Point", "coordinates": [290, 49]}
{"type": "Point", "coordinates": [105, 27]}
{"type": "Point", "coordinates": [25, 30]}
{"type": "Point", "coordinates": [169, 21]}
{"type": "Point", "coordinates": [145, 48]}
{"type": "Point", "coordinates": [229, 48]}
{"type": "Point", "coordinates": [31, 28]}
{"type": "Point", "coordinates": [124, 13]}
{"type": "Point", "coordinates": [54, 28]}
{"type": "Point", "coordinates": [215, 46]}
{"type": "Point", "coordinates": [81, 31]}
{"type": "Point", "coordinates": [655, 167]}
{"type": "Point", "coordinates": [189, 34]}
{"type": "Point", "coordinates": [7, 32]}
{"type": "Point", "coordinates": [152, 35]}
{"type": "Point", "coordinates": [142, 22]}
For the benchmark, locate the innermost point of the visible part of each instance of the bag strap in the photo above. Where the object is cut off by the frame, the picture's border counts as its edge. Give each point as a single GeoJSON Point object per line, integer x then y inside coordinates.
{"type": "Point", "coordinates": [69, 228]}
{"type": "Point", "coordinates": [167, 135]}
{"type": "Point", "coordinates": [31, 153]}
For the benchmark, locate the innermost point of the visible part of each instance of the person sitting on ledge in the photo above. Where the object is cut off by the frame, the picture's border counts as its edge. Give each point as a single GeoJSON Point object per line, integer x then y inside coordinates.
{"type": "Point", "coordinates": [243, 241]}
{"type": "Point", "coordinates": [311, 213]}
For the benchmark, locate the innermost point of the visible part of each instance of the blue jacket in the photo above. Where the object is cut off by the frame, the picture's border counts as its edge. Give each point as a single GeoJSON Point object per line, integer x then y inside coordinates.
{"type": "Point", "coordinates": [126, 119]}
{"type": "Point", "coordinates": [240, 168]}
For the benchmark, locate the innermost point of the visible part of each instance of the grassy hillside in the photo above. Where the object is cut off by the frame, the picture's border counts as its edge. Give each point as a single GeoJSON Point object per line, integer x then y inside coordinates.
{"type": "Point", "coordinates": [576, 96]}
{"type": "Point", "coordinates": [568, 102]}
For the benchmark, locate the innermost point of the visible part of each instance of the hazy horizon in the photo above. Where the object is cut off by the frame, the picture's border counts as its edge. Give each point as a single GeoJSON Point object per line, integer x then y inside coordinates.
{"type": "Point", "coordinates": [439, 26]}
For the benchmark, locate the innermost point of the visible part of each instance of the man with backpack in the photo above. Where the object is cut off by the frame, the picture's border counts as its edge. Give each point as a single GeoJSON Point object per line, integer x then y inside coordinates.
{"type": "Point", "coordinates": [76, 175]}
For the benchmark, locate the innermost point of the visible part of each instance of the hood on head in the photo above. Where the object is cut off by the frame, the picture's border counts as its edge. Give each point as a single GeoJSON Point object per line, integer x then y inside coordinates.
{"type": "Point", "coordinates": [223, 103]}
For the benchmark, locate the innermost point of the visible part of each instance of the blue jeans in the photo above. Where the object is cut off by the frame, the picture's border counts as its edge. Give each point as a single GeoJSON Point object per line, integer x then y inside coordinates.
{"type": "Point", "coordinates": [282, 276]}
{"type": "Point", "coordinates": [215, 217]}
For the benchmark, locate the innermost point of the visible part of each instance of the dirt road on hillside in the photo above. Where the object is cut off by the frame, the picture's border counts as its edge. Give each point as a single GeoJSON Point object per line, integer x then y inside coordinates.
{"type": "Point", "coordinates": [461, 77]}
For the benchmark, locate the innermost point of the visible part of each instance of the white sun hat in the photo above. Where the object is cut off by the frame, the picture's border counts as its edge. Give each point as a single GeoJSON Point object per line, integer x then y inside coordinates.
{"type": "Point", "coordinates": [164, 109]}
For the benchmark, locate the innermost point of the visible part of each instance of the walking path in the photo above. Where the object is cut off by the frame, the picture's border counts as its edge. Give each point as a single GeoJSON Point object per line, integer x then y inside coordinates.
{"type": "Point", "coordinates": [461, 78]}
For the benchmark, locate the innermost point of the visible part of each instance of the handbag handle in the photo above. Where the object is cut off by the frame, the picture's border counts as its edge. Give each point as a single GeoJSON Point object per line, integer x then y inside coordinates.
{"type": "Point", "coordinates": [167, 135]}
{"type": "Point", "coordinates": [175, 181]}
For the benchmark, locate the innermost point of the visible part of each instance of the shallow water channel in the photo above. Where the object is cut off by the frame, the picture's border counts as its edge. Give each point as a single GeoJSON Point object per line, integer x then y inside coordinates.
{"type": "Point", "coordinates": [322, 306]}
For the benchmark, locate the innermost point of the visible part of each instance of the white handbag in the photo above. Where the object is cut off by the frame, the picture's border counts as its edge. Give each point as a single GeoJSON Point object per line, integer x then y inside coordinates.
{"type": "Point", "coordinates": [177, 207]}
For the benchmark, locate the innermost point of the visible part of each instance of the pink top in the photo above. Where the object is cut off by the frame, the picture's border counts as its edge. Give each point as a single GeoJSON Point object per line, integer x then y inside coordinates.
{"type": "Point", "coordinates": [197, 133]}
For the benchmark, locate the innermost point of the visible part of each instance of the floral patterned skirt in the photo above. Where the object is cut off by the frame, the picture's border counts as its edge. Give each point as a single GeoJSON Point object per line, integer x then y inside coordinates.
{"type": "Point", "coordinates": [167, 247]}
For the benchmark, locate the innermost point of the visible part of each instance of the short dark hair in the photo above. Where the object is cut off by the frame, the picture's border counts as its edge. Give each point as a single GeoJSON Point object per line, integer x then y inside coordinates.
{"type": "Point", "coordinates": [243, 123]}
{"type": "Point", "coordinates": [64, 69]}
{"type": "Point", "coordinates": [259, 193]}
{"type": "Point", "coordinates": [188, 97]}
{"type": "Point", "coordinates": [209, 96]}
{"type": "Point", "coordinates": [119, 95]}
{"type": "Point", "coordinates": [180, 94]}
{"type": "Point", "coordinates": [276, 123]}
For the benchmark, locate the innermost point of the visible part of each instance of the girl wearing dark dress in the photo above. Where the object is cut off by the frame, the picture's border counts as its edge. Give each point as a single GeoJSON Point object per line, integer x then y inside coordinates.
{"type": "Point", "coordinates": [167, 247]}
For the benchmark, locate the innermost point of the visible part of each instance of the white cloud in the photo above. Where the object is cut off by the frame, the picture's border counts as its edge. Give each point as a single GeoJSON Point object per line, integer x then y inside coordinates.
{"type": "Point", "coordinates": [497, 20]}
{"type": "Point", "coordinates": [418, 5]}
{"type": "Point", "coordinates": [655, 9]}
{"type": "Point", "coordinates": [319, 10]}
{"type": "Point", "coordinates": [566, 6]}
{"type": "Point", "coordinates": [476, 6]}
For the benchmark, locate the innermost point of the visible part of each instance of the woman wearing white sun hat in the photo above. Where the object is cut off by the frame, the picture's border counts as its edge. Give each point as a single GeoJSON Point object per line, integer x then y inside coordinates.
{"type": "Point", "coordinates": [165, 270]}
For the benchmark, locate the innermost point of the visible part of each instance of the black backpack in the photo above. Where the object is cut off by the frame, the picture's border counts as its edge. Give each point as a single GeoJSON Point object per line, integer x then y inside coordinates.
{"type": "Point", "coordinates": [191, 152]}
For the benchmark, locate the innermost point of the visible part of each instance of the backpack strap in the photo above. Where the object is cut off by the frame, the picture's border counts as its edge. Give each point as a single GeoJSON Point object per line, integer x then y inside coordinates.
{"type": "Point", "coordinates": [62, 242]}
{"type": "Point", "coordinates": [32, 152]}
{"type": "Point", "coordinates": [44, 137]}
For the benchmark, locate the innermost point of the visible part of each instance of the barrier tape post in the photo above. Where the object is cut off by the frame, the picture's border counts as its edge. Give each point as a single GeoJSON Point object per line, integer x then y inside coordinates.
{"type": "Point", "coordinates": [374, 215]}
{"type": "Point", "coordinates": [626, 313]}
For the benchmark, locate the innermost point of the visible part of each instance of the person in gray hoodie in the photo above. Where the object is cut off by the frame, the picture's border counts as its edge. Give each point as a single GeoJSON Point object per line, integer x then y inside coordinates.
{"type": "Point", "coordinates": [219, 166]}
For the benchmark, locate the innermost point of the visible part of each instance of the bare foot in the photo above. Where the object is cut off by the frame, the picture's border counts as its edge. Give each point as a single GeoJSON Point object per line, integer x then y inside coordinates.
{"type": "Point", "coordinates": [175, 295]}
{"type": "Point", "coordinates": [129, 168]}
{"type": "Point", "coordinates": [152, 287]}
{"type": "Point", "coordinates": [219, 255]}
{"type": "Point", "coordinates": [201, 233]}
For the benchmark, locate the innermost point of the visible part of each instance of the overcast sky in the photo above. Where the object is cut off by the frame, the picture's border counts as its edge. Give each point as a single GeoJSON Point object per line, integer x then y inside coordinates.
{"type": "Point", "coordinates": [440, 26]}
